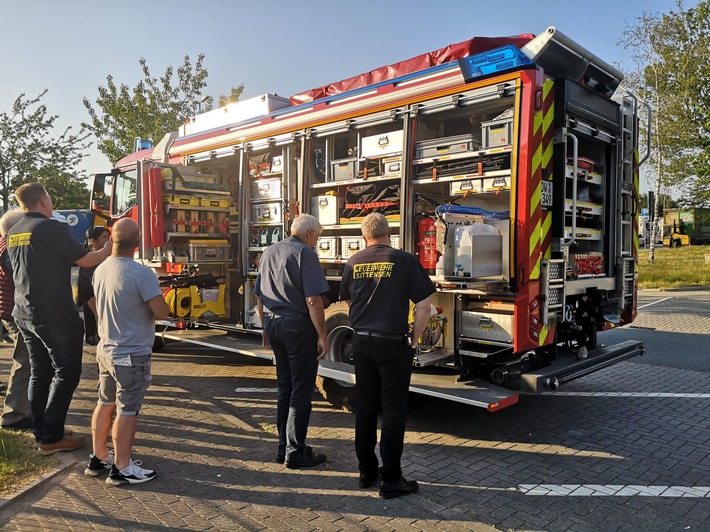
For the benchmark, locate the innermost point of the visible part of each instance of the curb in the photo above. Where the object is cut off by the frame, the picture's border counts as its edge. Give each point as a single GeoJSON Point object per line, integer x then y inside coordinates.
{"type": "Point", "coordinates": [686, 289]}
{"type": "Point", "coordinates": [67, 462]}
{"type": "Point", "coordinates": [696, 288]}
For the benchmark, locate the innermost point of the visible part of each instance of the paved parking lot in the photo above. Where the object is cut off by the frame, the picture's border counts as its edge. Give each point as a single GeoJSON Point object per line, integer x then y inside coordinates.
{"type": "Point", "coordinates": [618, 450]}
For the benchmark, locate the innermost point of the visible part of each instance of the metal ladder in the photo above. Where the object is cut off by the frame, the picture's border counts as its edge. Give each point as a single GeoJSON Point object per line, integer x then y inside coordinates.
{"type": "Point", "coordinates": [627, 149]}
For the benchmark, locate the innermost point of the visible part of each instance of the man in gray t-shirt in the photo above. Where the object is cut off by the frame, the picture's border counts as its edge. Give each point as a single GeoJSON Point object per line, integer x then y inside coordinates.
{"type": "Point", "coordinates": [128, 300]}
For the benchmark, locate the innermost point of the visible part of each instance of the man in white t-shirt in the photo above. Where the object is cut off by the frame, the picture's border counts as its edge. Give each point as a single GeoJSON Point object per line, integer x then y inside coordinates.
{"type": "Point", "coordinates": [128, 300]}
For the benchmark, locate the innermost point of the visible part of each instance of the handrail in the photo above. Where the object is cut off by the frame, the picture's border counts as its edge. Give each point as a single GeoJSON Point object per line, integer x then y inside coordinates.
{"type": "Point", "coordinates": [575, 158]}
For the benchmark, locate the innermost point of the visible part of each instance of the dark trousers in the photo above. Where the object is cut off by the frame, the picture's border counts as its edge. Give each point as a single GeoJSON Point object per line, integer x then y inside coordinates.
{"type": "Point", "coordinates": [17, 403]}
{"type": "Point", "coordinates": [55, 363]}
{"type": "Point", "coordinates": [383, 370]}
{"type": "Point", "coordinates": [295, 345]}
{"type": "Point", "coordinates": [91, 330]}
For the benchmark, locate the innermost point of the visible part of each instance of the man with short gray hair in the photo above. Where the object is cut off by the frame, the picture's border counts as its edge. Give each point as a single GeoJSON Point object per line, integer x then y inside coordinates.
{"type": "Point", "coordinates": [289, 289]}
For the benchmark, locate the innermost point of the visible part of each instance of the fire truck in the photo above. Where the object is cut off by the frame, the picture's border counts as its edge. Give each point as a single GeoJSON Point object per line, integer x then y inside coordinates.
{"type": "Point", "coordinates": [508, 166]}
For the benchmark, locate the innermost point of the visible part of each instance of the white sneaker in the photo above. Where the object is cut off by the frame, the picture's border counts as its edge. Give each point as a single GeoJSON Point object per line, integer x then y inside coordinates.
{"type": "Point", "coordinates": [133, 473]}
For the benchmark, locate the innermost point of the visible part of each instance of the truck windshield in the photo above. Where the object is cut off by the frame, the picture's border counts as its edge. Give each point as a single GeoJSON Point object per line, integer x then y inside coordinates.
{"type": "Point", "coordinates": [125, 192]}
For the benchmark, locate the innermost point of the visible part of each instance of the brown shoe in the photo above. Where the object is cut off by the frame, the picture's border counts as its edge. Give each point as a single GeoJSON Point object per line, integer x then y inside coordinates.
{"type": "Point", "coordinates": [67, 443]}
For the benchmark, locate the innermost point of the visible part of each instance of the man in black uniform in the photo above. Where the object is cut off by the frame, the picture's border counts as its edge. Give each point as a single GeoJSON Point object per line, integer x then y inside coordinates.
{"type": "Point", "coordinates": [378, 283]}
{"type": "Point", "coordinates": [42, 252]}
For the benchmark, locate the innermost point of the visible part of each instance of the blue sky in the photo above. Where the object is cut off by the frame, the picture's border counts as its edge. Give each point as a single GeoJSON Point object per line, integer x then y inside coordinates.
{"type": "Point", "coordinates": [272, 46]}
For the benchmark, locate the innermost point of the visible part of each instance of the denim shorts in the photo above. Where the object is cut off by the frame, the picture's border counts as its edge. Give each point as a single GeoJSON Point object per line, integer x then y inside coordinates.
{"type": "Point", "coordinates": [123, 385]}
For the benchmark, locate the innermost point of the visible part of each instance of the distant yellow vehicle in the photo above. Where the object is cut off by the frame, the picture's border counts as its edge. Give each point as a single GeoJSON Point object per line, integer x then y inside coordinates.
{"type": "Point", "coordinates": [674, 235]}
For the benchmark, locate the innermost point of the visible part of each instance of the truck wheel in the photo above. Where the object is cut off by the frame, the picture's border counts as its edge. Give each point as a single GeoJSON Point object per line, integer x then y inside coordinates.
{"type": "Point", "coordinates": [676, 243]}
{"type": "Point", "coordinates": [340, 394]}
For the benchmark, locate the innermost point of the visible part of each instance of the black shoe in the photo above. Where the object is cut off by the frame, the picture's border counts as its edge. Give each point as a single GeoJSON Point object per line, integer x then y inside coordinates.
{"type": "Point", "coordinates": [390, 490]}
{"type": "Point", "coordinates": [369, 480]}
{"type": "Point", "coordinates": [281, 458]}
{"type": "Point", "coordinates": [24, 424]}
{"type": "Point", "coordinates": [307, 459]}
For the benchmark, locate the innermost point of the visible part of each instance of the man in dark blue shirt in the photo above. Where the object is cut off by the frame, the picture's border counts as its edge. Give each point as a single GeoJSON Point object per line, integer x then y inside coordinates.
{"type": "Point", "coordinates": [289, 288]}
{"type": "Point", "coordinates": [378, 283]}
{"type": "Point", "coordinates": [42, 252]}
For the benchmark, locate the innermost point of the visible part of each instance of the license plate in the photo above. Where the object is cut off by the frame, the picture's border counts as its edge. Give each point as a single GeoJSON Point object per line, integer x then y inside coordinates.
{"type": "Point", "coordinates": [546, 200]}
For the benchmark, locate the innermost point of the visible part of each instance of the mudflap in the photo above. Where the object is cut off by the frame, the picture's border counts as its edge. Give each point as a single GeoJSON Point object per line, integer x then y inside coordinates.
{"type": "Point", "coordinates": [566, 369]}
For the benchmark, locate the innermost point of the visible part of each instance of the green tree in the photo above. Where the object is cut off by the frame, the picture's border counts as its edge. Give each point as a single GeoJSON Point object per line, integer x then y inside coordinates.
{"type": "Point", "coordinates": [672, 72]}
{"type": "Point", "coordinates": [232, 97]}
{"type": "Point", "coordinates": [68, 190]}
{"type": "Point", "coordinates": [154, 107]}
{"type": "Point", "coordinates": [29, 151]}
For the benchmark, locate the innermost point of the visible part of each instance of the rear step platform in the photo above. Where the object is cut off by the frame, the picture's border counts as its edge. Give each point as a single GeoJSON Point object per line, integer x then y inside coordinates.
{"type": "Point", "coordinates": [565, 370]}
{"type": "Point", "coordinates": [243, 344]}
{"type": "Point", "coordinates": [442, 385]}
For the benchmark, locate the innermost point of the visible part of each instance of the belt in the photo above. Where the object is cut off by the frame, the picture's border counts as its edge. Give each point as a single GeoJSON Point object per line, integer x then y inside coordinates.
{"type": "Point", "coordinates": [374, 334]}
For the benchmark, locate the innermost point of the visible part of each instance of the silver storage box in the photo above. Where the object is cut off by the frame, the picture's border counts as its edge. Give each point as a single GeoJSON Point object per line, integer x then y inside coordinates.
{"type": "Point", "coordinates": [277, 164]}
{"type": "Point", "coordinates": [465, 186]}
{"type": "Point", "coordinates": [443, 147]}
{"type": "Point", "coordinates": [496, 184]}
{"type": "Point", "coordinates": [327, 209]}
{"type": "Point", "coordinates": [382, 144]}
{"type": "Point", "coordinates": [343, 169]}
{"type": "Point", "coordinates": [497, 133]}
{"type": "Point", "coordinates": [327, 247]}
{"type": "Point", "coordinates": [349, 245]}
{"type": "Point", "coordinates": [392, 166]}
{"type": "Point", "coordinates": [267, 213]}
{"type": "Point", "coordinates": [208, 253]}
{"type": "Point", "coordinates": [487, 326]}
{"type": "Point", "coordinates": [266, 189]}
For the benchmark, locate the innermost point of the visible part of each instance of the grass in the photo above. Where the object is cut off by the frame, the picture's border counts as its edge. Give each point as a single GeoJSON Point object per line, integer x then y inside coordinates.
{"type": "Point", "coordinates": [20, 463]}
{"type": "Point", "coordinates": [674, 267]}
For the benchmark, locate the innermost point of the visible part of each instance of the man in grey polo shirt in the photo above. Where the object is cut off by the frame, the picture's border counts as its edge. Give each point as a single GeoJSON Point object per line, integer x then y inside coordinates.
{"type": "Point", "coordinates": [289, 288]}
{"type": "Point", "coordinates": [128, 300]}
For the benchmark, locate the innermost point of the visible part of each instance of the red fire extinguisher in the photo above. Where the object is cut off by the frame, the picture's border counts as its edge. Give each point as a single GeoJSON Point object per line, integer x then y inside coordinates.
{"type": "Point", "coordinates": [426, 242]}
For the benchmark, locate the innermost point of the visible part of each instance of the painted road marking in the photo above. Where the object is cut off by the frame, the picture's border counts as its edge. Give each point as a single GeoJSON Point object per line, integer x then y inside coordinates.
{"type": "Point", "coordinates": [654, 303]}
{"type": "Point", "coordinates": [633, 394]}
{"type": "Point", "coordinates": [256, 390]}
{"type": "Point", "coordinates": [615, 490]}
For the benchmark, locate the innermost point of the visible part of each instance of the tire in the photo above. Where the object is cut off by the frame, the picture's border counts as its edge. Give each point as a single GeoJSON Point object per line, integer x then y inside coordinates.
{"type": "Point", "coordinates": [676, 244]}
{"type": "Point", "coordinates": [337, 322]}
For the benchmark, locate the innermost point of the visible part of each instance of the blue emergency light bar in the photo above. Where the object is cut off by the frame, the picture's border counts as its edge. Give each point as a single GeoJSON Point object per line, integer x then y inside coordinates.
{"type": "Point", "coordinates": [492, 62]}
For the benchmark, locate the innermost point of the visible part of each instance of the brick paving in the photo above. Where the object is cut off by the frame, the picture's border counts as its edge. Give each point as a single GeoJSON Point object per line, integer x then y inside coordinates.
{"type": "Point", "coordinates": [213, 447]}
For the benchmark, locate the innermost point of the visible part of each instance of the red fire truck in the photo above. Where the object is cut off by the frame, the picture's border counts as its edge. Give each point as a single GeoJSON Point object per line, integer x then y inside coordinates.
{"type": "Point", "coordinates": [509, 166]}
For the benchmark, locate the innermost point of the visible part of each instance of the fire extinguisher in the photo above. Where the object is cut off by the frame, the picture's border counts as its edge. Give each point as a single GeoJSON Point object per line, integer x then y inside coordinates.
{"type": "Point", "coordinates": [426, 242]}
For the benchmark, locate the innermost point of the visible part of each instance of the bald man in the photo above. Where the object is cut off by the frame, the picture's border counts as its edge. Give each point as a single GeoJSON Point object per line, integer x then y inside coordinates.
{"type": "Point", "coordinates": [128, 301]}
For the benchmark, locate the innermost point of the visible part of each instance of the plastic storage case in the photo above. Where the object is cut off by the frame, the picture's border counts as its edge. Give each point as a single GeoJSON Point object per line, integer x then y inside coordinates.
{"type": "Point", "coordinates": [443, 147]}
{"type": "Point", "coordinates": [497, 133]}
